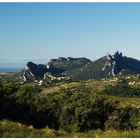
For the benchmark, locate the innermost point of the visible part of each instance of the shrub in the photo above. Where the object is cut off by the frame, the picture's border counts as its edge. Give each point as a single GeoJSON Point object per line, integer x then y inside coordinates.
{"type": "Point", "coordinates": [123, 119]}
{"type": "Point", "coordinates": [29, 88]}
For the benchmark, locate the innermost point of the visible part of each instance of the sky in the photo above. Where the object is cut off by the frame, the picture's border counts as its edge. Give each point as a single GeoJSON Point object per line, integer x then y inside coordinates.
{"type": "Point", "coordinates": [41, 31]}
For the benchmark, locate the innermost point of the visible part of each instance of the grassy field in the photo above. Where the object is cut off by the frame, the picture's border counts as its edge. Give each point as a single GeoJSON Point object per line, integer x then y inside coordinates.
{"type": "Point", "coordinates": [118, 134]}
{"type": "Point", "coordinates": [18, 130]}
{"type": "Point", "coordinates": [93, 85]}
{"type": "Point", "coordinates": [125, 101]}
{"type": "Point", "coordinates": [61, 86]}
{"type": "Point", "coordinates": [9, 129]}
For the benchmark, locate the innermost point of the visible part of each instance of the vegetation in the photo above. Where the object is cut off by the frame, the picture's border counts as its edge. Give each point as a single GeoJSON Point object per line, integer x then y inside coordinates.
{"type": "Point", "coordinates": [122, 89]}
{"type": "Point", "coordinates": [18, 130]}
{"type": "Point", "coordinates": [76, 109]}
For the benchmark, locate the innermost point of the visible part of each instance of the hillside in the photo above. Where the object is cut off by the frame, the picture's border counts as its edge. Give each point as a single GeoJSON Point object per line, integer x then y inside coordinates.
{"type": "Point", "coordinates": [54, 67]}
{"type": "Point", "coordinates": [107, 66]}
{"type": "Point", "coordinates": [90, 108]}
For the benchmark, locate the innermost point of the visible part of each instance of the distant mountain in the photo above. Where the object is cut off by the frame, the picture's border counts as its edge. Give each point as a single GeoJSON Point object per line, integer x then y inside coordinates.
{"type": "Point", "coordinates": [53, 67]}
{"type": "Point", "coordinates": [82, 68]}
{"type": "Point", "coordinates": [108, 65]}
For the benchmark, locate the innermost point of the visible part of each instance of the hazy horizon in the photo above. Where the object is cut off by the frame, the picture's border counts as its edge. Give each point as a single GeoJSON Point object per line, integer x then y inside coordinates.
{"type": "Point", "coordinates": [41, 31]}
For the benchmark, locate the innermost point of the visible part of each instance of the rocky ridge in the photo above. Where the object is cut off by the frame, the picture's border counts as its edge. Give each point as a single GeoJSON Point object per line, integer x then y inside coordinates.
{"type": "Point", "coordinates": [81, 68]}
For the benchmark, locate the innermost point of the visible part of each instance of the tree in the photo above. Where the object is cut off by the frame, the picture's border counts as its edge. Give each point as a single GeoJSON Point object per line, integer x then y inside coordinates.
{"type": "Point", "coordinates": [9, 88]}
{"type": "Point", "coordinates": [123, 119]}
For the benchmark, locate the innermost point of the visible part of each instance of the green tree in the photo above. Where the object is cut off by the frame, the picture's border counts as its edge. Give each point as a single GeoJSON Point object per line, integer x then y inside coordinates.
{"type": "Point", "coordinates": [123, 119]}
{"type": "Point", "coordinates": [9, 88]}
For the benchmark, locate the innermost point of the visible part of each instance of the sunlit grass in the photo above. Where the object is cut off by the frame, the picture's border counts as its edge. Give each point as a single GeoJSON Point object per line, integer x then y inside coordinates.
{"type": "Point", "coordinates": [18, 130]}
{"type": "Point", "coordinates": [119, 134]}
{"type": "Point", "coordinates": [9, 129]}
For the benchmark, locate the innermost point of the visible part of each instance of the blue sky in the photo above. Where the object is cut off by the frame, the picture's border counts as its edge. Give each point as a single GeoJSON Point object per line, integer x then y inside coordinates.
{"type": "Point", "coordinates": [41, 31]}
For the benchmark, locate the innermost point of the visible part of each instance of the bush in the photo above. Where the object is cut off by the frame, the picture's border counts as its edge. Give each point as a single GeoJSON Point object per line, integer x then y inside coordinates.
{"type": "Point", "coordinates": [86, 114]}
{"type": "Point", "coordinates": [9, 88]}
{"type": "Point", "coordinates": [29, 88]}
{"type": "Point", "coordinates": [124, 119]}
